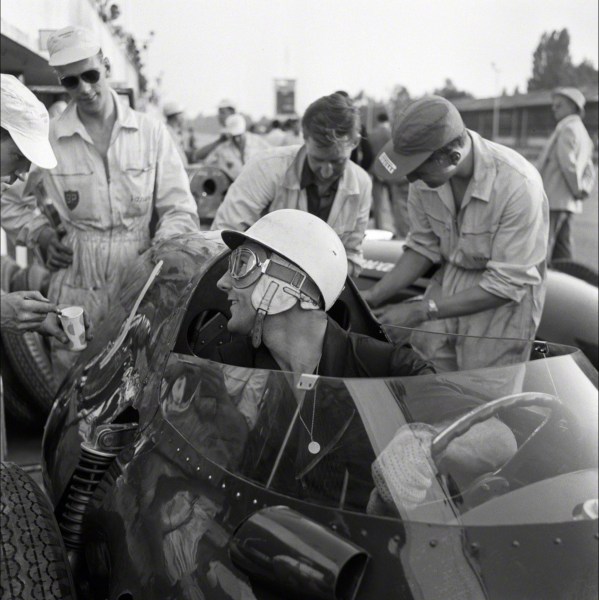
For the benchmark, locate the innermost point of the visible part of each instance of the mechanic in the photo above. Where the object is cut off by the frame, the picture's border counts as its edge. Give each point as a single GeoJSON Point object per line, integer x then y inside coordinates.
{"type": "Point", "coordinates": [116, 168]}
{"type": "Point", "coordinates": [226, 108]}
{"type": "Point", "coordinates": [284, 273]}
{"type": "Point", "coordinates": [566, 166]}
{"type": "Point", "coordinates": [24, 123]}
{"type": "Point", "coordinates": [479, 210]}
{"type": "Point", "coordinates": [316, 177]}
{"type": "Point", "coordinates": [175, 122]}
{"type": "Point", "coordinates": [241, 146]}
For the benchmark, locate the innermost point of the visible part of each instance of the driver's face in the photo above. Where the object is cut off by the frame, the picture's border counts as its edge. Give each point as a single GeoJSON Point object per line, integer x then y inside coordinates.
{"type": "Point", "coordinates": [242, 311]}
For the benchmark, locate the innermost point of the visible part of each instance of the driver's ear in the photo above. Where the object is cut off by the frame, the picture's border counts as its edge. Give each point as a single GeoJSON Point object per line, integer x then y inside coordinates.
{"type": "Point", "coordinates": [454, 157]}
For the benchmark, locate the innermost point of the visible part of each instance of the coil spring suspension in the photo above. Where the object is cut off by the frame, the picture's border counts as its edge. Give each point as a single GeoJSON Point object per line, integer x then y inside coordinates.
{"type": "Point", "coordinates": [92, 465]}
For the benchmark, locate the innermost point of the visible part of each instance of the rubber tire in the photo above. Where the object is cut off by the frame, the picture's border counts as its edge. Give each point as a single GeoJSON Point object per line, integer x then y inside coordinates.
{"type": "Point", "coordinates": [33, 560]}
{"type": "Point", "coordinates": [580, 271]}
{"type": "Point", "coordinates": [30, 360]}
{"type": "Point", "coordinates": [18, 404]}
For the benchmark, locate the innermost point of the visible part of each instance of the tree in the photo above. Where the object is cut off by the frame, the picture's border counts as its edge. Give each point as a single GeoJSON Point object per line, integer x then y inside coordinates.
{"type": "Point", "coordinates": [451, 92]}
{"type": "Point", "coordinates": [552, 65]}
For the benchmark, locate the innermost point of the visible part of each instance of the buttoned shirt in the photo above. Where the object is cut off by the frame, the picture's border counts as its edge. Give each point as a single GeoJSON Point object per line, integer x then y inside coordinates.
{"type": "Point", "coordinates": [319, 203]}
{"type": "Point", "coordinates": [566, 165]}
{"type": "Point", "coordinates": [105, 205]}
{"type": "Point", "coordinates": [230, 158]}
{"type": "Point", "coordinates": [497, 241]}
{"type": "Point", "coordinates": [273, 181]}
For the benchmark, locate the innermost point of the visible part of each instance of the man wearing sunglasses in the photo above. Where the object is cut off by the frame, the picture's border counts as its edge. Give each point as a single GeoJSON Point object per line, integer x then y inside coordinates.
{"type": "Point", "coordinates": [116, 168]}
{"type": "Point", "coordinates": [317, 177]}
{"type": "Point", "coordinates": [479, 210]}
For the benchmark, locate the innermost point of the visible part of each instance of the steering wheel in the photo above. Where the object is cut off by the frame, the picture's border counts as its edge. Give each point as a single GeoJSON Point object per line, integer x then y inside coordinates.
{"type": "Point", "coordinates": [488, 410]}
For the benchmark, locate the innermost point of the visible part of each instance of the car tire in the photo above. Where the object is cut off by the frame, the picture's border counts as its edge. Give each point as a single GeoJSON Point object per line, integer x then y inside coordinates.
{"type": "Point", "coordinates": [18, 404]}
{"type": "Point", "coordinates": [30, 361]}
{"type": "Point", "coordinates": [578, 270]}
{"type": "Point", "coordinates": [34, 560]}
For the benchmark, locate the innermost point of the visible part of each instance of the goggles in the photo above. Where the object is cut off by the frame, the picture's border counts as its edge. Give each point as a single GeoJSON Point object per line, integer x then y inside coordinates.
{"type": "Point", "coordinates": [246, 266]}
{"type": "Point", "coordinates": [70, 82]}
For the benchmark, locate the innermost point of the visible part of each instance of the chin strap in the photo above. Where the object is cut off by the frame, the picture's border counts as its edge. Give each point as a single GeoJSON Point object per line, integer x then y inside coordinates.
{"type": "Point", "coordinates": [261, 312]}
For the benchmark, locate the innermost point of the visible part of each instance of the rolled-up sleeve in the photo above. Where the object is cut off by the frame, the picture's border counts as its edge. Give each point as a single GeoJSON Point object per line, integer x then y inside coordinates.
{"type": "Point", "coordinates": [247, 198]}
{"type": "Point", "coordinates": [20, 217]}
{"type": "Point", "coordinates": [421, 238]}
{"type": "Point", "coordinates": [519, 246]}
{"type": "Point", "coordinates": [173, 201]}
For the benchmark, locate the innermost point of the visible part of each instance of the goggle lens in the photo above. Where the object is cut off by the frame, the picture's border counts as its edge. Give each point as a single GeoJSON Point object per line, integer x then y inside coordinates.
{"type": "Point", "coordinates": [72, 81]}
{"type": "Point", "coordinates": [242, 262]}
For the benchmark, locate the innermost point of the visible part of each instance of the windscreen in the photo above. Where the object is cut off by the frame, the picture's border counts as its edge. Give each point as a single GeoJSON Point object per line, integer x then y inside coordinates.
{"type": "Point", "coordinates": [482, 446]}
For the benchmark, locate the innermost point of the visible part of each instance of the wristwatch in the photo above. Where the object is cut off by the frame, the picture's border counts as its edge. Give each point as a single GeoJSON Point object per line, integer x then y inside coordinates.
{"type": "Point", "coordinates": [432, 310]}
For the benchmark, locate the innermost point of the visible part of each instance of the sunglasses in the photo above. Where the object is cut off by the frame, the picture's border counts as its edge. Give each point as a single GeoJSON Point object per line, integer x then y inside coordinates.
{"type": "Point", "coordinates": [72, 81]}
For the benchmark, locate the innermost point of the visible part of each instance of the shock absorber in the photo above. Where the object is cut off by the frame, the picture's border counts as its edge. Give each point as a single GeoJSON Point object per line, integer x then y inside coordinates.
{"type": "Point", "coordinates": [96, 457]}
{"type": "Point", "coordinates": [90, 470]}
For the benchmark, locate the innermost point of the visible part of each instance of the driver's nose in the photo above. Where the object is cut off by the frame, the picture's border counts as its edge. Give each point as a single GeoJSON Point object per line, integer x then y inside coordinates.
{"type": "Point", "coordinates": [224, 283]}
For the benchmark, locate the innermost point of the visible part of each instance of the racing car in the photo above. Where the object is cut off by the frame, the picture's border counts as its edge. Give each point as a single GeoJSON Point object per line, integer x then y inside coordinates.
{"type": "Point", "coordinates": [165, 481]}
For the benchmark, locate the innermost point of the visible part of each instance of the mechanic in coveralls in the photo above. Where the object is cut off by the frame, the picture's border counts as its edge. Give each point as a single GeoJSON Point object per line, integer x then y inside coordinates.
{"type": "Point", "coordinates": [566, 166]}
{"type": "Point", "coordinates": [116, 167]}
{"type": "Point", "coordinates": [239, 147]}
{"type": "Point", "coordinates": [479, 210]}
{"type": "Point", "coordinates": [284, 273]}
{"type": "Point", "coordinates": [24, 129]}
{"type": "Point", "coordinates": [317, 177]}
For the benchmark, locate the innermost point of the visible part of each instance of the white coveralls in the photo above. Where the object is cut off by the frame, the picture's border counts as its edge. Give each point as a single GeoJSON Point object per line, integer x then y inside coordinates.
{"type": "Point", "coordinates": [106, 209]}
{"type": "Point", "coordinates": [498, 241]}
{"type": "Point", "coordinates": [229, 158]}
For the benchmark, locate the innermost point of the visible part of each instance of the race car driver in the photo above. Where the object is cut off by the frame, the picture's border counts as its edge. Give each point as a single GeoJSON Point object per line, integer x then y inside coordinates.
{"type": "Point", "coordinates": [284, 273]}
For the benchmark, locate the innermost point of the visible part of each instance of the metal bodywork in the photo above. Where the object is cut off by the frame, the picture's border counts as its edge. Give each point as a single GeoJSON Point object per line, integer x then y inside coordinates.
{"type": "Point", "coordinates": [185, 512]}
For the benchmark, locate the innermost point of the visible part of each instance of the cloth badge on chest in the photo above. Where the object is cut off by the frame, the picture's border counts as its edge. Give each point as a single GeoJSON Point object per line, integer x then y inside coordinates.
{"type": "Point", "coordinates": [71, 199]}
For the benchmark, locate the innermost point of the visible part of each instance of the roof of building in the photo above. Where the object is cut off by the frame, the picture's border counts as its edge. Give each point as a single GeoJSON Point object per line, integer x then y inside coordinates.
{"type": "Point", "coordinates": [538, 98]}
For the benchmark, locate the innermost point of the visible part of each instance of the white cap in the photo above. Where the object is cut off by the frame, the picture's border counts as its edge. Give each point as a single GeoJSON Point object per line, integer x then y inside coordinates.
{"type": "Point", "coordinates": [172, 108]}
{"type": "Point", "coordinates": [27, 121]}
{"type": "Point", "coordinates": [226, 103]}
{"type": "Point", "coordinates": [572, 94]}
{"type": "Point", "coordinates": [71, 44]}
{"type": "Point", "coordinates": [235, 125]}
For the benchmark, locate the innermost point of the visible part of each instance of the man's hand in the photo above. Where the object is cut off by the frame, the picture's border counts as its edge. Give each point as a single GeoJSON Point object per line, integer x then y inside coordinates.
{"type": "Point", "coordinates": [56, 254]}
{"type": "Point", "coordinates": [406, 314]}
{"type": "Point", "coordinates": [52, 327]}
{"type": "Point", "coordinates": [24, 311]}
{"type": "Point", "coordinates": [368, 295]}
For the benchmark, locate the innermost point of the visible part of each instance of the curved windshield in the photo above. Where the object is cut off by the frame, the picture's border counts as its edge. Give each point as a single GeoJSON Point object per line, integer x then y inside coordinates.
{"type": "Point", "coordinates": [486, 446]}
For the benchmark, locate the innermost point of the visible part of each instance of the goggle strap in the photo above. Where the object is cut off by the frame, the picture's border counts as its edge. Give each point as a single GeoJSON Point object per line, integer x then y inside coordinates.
{"type": "Point", "coordinates": [294, 278]}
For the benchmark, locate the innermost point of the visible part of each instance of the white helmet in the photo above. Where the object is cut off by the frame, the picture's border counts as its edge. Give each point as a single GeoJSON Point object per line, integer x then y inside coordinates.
{"type": "Point", "coordinates": [306, 241]}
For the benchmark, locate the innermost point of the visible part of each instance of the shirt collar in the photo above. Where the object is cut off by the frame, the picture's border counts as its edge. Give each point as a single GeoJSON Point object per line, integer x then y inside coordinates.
{"type": "Point", "coordinates": [348, 183]}
{"type": "Point", "coordinates": [69, 124]}
{"type": "Point", "coordinates": [481, 183]}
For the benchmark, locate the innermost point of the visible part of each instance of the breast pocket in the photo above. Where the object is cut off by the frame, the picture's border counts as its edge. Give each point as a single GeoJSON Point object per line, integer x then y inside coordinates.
{"type": "Point", "coordinates": [442, 230]}
{"type": "Point", "coordinates": [79, 194]}
{"type": "Point", "coordinates": [475, 248]}
{"type": "Point", "coordinates": [138, 181]}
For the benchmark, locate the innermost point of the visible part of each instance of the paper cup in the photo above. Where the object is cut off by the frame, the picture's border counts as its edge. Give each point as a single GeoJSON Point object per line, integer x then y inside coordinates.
{"type": "Point", "coordinates": [71, 319]}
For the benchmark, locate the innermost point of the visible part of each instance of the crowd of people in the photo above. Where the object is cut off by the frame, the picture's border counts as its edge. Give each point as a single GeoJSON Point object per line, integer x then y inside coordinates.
{"type": "Point", "coordinates": [295, 218]}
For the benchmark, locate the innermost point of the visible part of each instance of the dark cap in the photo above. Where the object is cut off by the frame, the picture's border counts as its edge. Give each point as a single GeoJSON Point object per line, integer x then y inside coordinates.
{"type": "Point", "coordinates": [420, 128]}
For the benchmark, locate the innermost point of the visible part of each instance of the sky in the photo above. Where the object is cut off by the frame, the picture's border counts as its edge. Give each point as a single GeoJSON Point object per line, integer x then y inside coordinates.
{"type": "Point", "coordinates": [206, 50]}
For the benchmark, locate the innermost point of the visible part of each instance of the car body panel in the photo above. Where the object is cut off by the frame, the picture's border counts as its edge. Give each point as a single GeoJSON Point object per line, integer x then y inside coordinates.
{"type": "Point", "coordinates": [162, 519]}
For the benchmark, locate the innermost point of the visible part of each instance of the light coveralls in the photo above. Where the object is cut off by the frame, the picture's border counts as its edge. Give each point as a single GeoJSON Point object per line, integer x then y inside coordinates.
{"type": "Point", "coordinates": [106, 209]}
{"type": "Point", "coordinates": [272, 181]}
{"type": "Point", "coordinates": [229, 158]}
{"type": "Point", "coordinates": [498, 241]}
{"type": "Point", "coordinates": [566, 166]}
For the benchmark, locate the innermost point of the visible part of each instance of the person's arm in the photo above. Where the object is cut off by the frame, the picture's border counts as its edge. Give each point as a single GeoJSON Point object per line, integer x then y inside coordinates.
{"type": "Point", "coordinates": [353, 243]}
{"type": "Point", "coordinates": [174, 204]}
{"type": "Point", "coordinates": [203, 152]}
{"type": "Point", "coordinates": [572, 162]}
{"type": "Point", "coordinates": [248, 196]}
